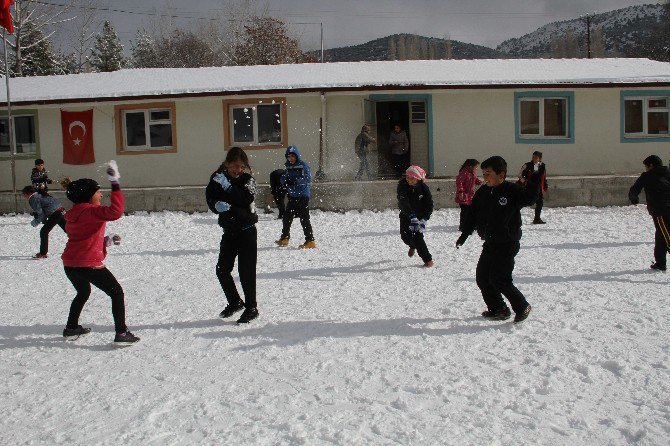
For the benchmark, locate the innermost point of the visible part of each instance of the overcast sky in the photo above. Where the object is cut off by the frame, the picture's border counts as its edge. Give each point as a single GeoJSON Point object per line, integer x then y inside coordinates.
{"type": "Point", "coordinates": [350, 22]}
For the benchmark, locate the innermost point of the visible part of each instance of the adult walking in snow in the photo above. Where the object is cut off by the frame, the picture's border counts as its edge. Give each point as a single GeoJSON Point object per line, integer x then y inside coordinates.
{"type": "Point", "coordinates": [230, 194]}
{"type": "Point", "coordinates": [535, 172]}
{"type": "Point", "coordinates": [297, 180]}
{"type": "Point", "coordinates": [465, 187]}
{"type": "Point", "coordinates": [656, 184]}
{"type": "Point", "coordinates": [399, 149]}
{"type": "Point", "coordinates": [363, 140]}
{"type": "Point", "coordinates": [86, 249]}
{"type": "Point", "coordinates": [416, 206]}
{"type": "Point", "coordinates": [496, 215]}
{"type": "Point", "coordinates": [48, 211]}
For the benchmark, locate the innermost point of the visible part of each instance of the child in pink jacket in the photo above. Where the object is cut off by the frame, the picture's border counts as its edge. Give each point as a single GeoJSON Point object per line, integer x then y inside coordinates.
{"type": "Point", "coordinates": [465, 187]}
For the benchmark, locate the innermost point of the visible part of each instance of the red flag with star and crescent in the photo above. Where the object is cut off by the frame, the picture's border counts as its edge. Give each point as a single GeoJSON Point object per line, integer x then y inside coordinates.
{"type": "Point", "coordinates": [6, 16]}
{"type": "Point", "coordinates": [77, 130]}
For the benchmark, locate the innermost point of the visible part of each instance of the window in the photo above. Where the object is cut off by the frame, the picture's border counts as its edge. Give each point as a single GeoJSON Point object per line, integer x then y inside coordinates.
{"type": "Point", "coordinates": [146, 128]}
{"type": "Point", "coordinates": [645, 116]}
{"type": "Point", "coordinates": [544, 117]}
{"type": "Point", "coordinates": [418, 112]}
{"type": "Point", "coordinates": [255, 123]}
{"type": "Point", "coordinates": [25, 136]}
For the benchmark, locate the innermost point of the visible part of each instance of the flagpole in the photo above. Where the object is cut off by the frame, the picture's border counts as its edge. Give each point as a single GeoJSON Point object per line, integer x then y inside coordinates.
{"type": "Point", "coordinates": [10, 122]}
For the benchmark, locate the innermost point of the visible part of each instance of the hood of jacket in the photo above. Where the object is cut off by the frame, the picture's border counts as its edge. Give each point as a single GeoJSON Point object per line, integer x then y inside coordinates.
{"type": "Point", "coordinates": [294, 150]}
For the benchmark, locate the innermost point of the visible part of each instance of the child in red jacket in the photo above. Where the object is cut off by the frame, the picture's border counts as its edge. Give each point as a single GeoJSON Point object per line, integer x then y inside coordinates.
{"type": "Point", "coordinates": [465, 187]}
{"type": "Point", "coordinates": [86, 249]}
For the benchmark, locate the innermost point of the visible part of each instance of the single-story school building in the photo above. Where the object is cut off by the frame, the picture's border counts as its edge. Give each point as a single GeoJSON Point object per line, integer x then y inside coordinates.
{"type": "Point", "coordinates": [172, 127]}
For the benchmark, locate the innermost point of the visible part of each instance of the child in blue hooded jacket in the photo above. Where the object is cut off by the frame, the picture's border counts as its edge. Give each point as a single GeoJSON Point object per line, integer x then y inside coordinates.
{"type": "Point", "coordinates": [47, 211]}
{"type": "Point", "coordinates": [296, 180]}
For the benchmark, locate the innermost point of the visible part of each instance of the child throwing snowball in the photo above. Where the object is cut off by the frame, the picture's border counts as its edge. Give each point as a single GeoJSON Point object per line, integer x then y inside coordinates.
{"type": "Point", "coordinates": [416, 206]}
{"type": "Point", "coordinates": [230, 194]}
{"type": "Point", "coordinates": [86, 249]}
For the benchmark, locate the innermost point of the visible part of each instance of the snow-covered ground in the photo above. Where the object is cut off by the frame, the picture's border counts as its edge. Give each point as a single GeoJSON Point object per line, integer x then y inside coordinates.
{"type": "Point", "coordinates": [356, 343]}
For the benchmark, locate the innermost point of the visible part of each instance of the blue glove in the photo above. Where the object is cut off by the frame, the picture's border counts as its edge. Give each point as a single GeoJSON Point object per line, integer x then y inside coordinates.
{"type": "Point", "coordinates": [35, 223]}
{"type": "Point", "coordinates": [222, 180]}
{"type": "Point", "coordinates": [422, 226]}
{"type": "Point", "coordinates": [221, 206]}
{"type": "Point", "coordinates": [414, 224]}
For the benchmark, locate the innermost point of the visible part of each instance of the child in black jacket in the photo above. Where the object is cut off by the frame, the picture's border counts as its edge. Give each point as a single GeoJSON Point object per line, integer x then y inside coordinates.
{"type": "Point", "coordinates": [416, 206]}
{"type": "Point", "coordinates": [496, 214]}
{"type": "Point", "coordinates": [230, 193]}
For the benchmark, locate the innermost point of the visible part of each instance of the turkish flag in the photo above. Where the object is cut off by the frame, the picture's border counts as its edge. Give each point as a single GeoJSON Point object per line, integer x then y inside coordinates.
{"type": "Point", "coordinates": [77, 130]}
{"type": "Point", "coordinates": [6, 16]}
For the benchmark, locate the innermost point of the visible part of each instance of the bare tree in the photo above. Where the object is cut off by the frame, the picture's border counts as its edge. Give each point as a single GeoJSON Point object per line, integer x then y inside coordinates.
{"type": "Point", "coordinates": [80, 34]}
{"type": "Point", "coordinates": [267, 43]}
{"type": "Point", "coordinates": [31, 16]}
{"type": "Point", "coordinates": [598, 42]}
{"type": "Point", "coordinates": [392, 49]}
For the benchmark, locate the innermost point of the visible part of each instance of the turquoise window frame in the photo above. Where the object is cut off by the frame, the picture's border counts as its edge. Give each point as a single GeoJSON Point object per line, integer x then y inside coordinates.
{"type": "Point", "coordinates": [428, 99]}
{"type": "Point", "coordinates": [622, 113]}
{"type": "Point", "coordinates": [569, 96]}
{"type": "Point", "coordinates": [24, 156]}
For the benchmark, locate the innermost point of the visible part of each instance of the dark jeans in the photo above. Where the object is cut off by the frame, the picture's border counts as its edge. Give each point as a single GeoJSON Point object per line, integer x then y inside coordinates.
{"type": "Point", "coordinates": [400, 164]}
{"type": "Point", "coordinates": [465, 211]}
{"type": "Point", "coordinates": [494, 276]}
{"type": "Point", "coordinates": [538, 206]}
{"type": "Point", "coordinates": [363, 157]}
{"type": "Point", "coordinates": [242, 245]}
{"type": "Point", "coordinates": [297, 207]}
{"type": "Point", "coordinates": [661, 239]}
{"type": "Point", "coordinates": [414, 240]}
{"type": "Point", "coordinates": [54, 219]}
{"type": "Point", "coordinates": [102, 278]}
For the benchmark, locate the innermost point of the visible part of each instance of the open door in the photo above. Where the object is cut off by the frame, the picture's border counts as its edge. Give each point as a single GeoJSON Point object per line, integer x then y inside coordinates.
{"type": "Point", "coordinates": [389, 114]}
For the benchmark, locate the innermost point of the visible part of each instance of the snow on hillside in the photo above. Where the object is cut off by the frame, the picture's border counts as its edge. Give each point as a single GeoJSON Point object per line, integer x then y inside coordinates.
{"type": "Point", "coordinates": [356, 343]}
{"type": "Point", "coordinates": [620, 29]}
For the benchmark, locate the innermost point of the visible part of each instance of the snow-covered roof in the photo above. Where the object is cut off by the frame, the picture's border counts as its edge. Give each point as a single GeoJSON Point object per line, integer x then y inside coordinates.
{"type": "Point", "coordinates": [157, 82]}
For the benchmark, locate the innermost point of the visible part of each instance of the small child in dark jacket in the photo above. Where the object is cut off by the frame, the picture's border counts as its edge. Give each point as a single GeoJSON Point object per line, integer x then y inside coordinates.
{"type": "Point", "coordinates": [535, 172]}
{"type": "Point", "coordinates": [40, 176]}
{"type": "Point", "coordinates": [278, 191]}
{"type": "Point", "coordinates": [230, 194]}
{"type": "Point", "coordinates": [416, 206]}
{"type": "Point", "coordinates": [496, 215]}
{"type": "Point", "coordinates": [47, 211]}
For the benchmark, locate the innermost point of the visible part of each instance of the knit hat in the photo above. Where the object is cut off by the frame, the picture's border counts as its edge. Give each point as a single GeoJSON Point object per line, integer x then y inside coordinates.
{"type": "Point", "coordinates": [416, 172]}
{"type": "Point", "coordinates": [81, 191]}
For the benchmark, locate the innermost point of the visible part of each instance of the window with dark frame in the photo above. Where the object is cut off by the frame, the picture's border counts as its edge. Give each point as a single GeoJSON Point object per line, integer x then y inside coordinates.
{"type": "Point", "coordinates": [646, 116]}
{"type": "Point", "coordinates": [256, 124]}
{"type": "Point", "coordinates": [149, 129]}
{"type": "Point", "coordinates": [25, 137]}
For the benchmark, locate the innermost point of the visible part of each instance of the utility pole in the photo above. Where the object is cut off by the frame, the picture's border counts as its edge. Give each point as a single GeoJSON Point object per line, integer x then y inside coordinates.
{"type": "Point", "coordinates": [588, 36]}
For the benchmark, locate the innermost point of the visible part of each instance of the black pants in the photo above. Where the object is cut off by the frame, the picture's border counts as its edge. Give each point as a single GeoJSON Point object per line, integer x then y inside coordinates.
{"type": "Point", "coordinates": [297, 207]}
{"type": "Point", "coordinates": [414, 240]}
{"type": "Point", "coordinates": [279, 199]}
{"type": "Point", "coordinates": [102, 278]}
{"type": "Point", "coordinates": [465, 210]}
{"type": "Point", "coordinates": [661, 239]}
{"type": "Point", "coordinates": [242, 245]}
{"type": "Point", "coordinates": [54, 219]}
{"type": "Point", "coordinates": [363, 157]}
{"type": "Point", "coordinates": [494, 276]}
{"type": "Point", "coordinates": [538, 206]}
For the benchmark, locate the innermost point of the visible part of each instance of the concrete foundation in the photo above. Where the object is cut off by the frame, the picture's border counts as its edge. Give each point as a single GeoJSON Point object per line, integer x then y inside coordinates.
{"type": "Point", "coordinates": [344, 196]}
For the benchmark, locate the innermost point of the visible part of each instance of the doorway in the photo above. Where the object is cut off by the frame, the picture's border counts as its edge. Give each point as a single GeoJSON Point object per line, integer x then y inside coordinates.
{"type": "Point", "coordinates": [389, 114]}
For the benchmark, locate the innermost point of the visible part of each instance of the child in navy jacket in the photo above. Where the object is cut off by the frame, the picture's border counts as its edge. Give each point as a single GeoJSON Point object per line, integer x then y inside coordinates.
{"type": "Point", "coordinates": [416, 206]}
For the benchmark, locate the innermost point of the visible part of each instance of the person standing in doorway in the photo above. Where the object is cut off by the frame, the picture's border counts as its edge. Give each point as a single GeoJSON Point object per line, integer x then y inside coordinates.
{"type": "Point", "coordinates": [363, 140]}
{"type": "Point", "coordinates": [399, 149]}
{"type": "Point", "coordinates": [230, 194]}
{"type": "Point", "coordinates": [535, 172]}
{"type": "Point", "coordinates": [656, 184]}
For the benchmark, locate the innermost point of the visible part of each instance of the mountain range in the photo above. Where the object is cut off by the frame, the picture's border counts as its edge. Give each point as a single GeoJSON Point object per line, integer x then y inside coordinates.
{"type": "Point", "coordinates": [618, 33]}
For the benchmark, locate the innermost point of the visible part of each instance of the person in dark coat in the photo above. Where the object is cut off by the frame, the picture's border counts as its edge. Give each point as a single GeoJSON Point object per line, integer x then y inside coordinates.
{"type": "Point", "coordinates": [363, 140]}
{"type": "Point", "coordinates": [47, 211]}
{"type": "Point", "coordinates": [496, 215]}
{"type": "Point", "coordinates": [278, 191]}
{"type": "Point", "coordinates": [230, 194]}
{"type": "Point", "coordinates": [297, 180]}
{"type": "Point", "coordinates": [656, 184]}
{"type": "Point", "coordinates": [39, 176]}
{"type": "Point", "coordinates": [535, 172]}
{"type": "Point", "coordinates": [416, 206]}
{"type": "Point", "coordinates": [399, 144]}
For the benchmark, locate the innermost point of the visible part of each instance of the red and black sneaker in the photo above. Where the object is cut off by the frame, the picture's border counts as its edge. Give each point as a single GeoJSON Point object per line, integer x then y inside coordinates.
{"type": "Point", "coordinates": [522, 315]}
